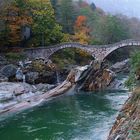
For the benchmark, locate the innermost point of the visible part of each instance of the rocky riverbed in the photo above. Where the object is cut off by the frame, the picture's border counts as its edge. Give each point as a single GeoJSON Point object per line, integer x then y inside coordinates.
{"type": "Point", "coordinates": [14, 93]}
{"type": "Point", "coordinates": [16, 96]}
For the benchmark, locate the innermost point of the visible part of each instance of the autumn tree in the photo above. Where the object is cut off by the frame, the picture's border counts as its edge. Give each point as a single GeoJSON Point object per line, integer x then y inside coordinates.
{"type": "Point", "coordinates": [81, 30]}
{"type": "Point", "coordinates": [14, 17]}
{"type": "Point", "coordinates": [104, 29]}
{"type": "Point", "coordinates": [81, 34]}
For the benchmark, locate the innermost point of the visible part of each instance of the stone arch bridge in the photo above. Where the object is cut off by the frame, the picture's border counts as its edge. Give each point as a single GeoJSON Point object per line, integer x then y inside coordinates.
{"type": "Point", "coordinates": [99, 52]}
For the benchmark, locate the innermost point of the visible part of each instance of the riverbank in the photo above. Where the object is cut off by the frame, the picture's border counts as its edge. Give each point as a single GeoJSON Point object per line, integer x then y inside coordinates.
{"type": "Point", "coordinates": [32, 99]}
{"type": "Point", "coordinates": [127, 125]}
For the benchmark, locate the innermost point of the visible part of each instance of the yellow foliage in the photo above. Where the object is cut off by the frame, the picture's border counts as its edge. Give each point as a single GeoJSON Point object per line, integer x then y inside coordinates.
{"type": "Point", "coordinates": [81, 37]}
{"type": "Point", "coordinates": [82, 52]}
{"type": "Point", "coordinates": [66, 38]}
{"type": "Point", "coordinates": [81, 31]}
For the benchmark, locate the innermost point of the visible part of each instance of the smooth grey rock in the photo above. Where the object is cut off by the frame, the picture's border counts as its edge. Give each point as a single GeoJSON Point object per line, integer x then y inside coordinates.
{"type": "Point", "coordinates": [44, 87]}
{"type": "Point", "coordinates": [5, 96]}
{"type": "Point", "coordinates": [19, 90]}
{"type": "Point", "coordinates": [15, 88]}
{"type": "Point", "coordinates": [7, 104]}
{"type": "Point", "coordinates": [3, 78]}
{"type": "Point", "coordinates": [9, 70]}
{"type": "Point", "coordinates": [31, 77]}
{"type": "Point", "coordinates": [121, 66]}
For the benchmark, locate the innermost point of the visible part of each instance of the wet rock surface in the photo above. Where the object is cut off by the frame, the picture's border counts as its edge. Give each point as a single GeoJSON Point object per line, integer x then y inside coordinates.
{"type": "Point", "coordinates": [123, 66]}
{"type": "Point", "coordinates": [15, 93]}
{"type": "Point", "coordinates": [44, 87]}
{"type": "Point", "coordinates": [127, 124]}
{"type": "Point", "coordinates": [97, 77]}
{"type": "Point", "coordinates": [5, 96]}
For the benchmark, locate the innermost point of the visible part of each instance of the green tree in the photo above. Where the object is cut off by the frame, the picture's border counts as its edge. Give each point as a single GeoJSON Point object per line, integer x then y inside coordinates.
{"type": "Point", "coordinates": [134, 76]}
{"type": "Point", "coordinates": [110, 29]}
{"type": "Point", "coordinates": [44, 23]}
{"type": "Point", "coordinates": [68, 15]}
{"type": "Point", "coordinates": [93, 15]}
{"type": "Point", "coordinates": [56, 7]}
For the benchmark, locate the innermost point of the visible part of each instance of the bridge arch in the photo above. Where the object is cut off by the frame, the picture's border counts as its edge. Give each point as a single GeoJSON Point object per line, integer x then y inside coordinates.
{"type": "Point", "coordinates": [123, 44]}
{"type": "Point", "coordinates": [99, 52]}
{"type": "Point", "coordinates": [72, 47]}
{"type": "Point", "coordinates": [47, 52]}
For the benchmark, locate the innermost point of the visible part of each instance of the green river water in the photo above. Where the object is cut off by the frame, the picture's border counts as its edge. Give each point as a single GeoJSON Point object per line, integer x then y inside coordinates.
{"type": "Point", "coordinates": [83, 116]}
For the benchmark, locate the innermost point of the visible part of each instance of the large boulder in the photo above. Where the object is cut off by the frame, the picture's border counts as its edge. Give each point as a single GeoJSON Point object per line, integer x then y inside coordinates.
{"type": "Point", "coordinates": [44, 87]}
{"type": "Point", "coordinates": [3, 61]}
{"type": "Point", "coordinates": [19, 90]}
{"type": "Point", "coordinates": [9, 70]}
{"type": "Point", "coordinates": [48, 77]}
{"type": "Point", "coordinates": [15, 88]}
{"type": "Point", "coordinates": [123, 66]}
{"type": "Point", "coordinates": [31, 77]}
{"type": "Point", "coordinates": [5, 96]}
{"type": "Point", "coordinates": [96, 77]}
{"type": "Point", "coordinates": [40, 71]}
{"type": "Point", "coordinates": [3, 78]}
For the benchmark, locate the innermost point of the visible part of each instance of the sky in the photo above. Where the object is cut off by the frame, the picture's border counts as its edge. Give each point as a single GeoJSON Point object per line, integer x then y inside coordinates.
{"type": "Point", "coordinates": [130, 8]}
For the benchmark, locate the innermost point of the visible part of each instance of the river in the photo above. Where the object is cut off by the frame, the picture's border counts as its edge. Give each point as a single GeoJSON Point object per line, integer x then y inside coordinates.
{"type": "Point", "coordinates": [82, 116]}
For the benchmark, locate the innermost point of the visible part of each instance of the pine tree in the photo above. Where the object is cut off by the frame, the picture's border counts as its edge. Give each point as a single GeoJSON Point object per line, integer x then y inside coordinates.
{"type": "Point", "coordinates": [68, 15]}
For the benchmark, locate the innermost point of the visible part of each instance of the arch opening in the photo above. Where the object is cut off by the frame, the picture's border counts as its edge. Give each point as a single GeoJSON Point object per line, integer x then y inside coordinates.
{"type": "Point", "coordinates": [68, 58]}
{"type": "Point", "coordinates": [121, 54]}
{"type": "Point", "coordinates": [71, 56]}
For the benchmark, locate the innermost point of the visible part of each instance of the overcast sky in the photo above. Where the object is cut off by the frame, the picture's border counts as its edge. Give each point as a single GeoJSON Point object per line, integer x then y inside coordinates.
{"type": "Point", "coordinates": [128, 7]}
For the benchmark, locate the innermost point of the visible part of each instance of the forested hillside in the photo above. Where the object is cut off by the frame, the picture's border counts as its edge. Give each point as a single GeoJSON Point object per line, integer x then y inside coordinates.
{"type": "Point", "coordinates": [36, 23]}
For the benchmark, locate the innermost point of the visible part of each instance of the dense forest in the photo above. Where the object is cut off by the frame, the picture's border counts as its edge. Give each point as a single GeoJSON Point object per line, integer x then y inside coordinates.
{"type": "Point", "coordinates": [36, 23]}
